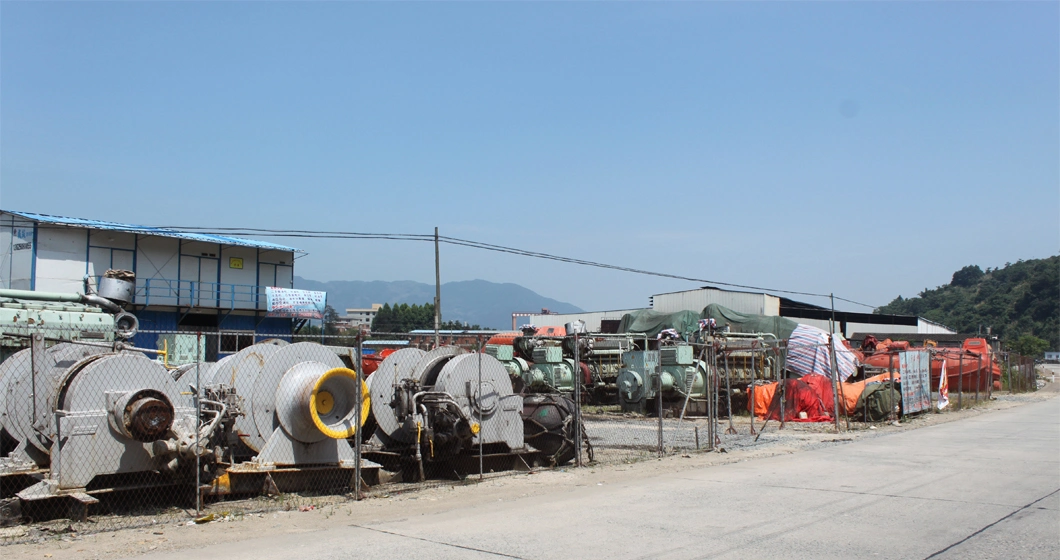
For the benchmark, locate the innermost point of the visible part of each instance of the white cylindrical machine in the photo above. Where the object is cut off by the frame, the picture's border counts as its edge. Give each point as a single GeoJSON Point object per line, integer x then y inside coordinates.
{"type": "Point", "coordinates": [313, 404]}
{"type": "Point", "coordinates": [301, 401]}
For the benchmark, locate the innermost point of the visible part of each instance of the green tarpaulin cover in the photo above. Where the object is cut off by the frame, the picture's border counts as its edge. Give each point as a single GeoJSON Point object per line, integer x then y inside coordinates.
{"type": "Point", "coordinates": [652, 323]}
{"type": "Point", "coordinates": [744, 323]}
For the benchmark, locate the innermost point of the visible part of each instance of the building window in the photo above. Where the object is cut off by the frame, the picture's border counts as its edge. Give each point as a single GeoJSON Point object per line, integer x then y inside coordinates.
{"type": "Point", "coordinates": [235, 341]}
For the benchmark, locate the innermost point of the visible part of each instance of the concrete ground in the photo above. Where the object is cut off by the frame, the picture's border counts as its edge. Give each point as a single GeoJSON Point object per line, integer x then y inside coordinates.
{"type": "Point", "coordinates": [985, 486]}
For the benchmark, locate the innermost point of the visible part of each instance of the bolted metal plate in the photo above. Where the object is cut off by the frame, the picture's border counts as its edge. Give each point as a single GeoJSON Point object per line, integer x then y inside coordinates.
{"type": "Point", "coordinates": [126, 372]}
{"type": "Point", "coordinates": [262, 400]}
{"type": "Point", "coordinates": [9, 368]}
{"type": "Point", "coordinates": [214, 373]}
{"type": "Point", "coordinates": [241, 370]}
{"type": "Point", "coordinates": [19, 387]}
{"type": "Point", "coordinates": [460, 377]}
{"type": "Point", "coordinates": [92, 446]}
{"type": "Point", "coordinates": [494, 404]}
{"type": "Point", "coordinates": [430, 365]}
{"type": "Point", "coordinates": [392, 370]}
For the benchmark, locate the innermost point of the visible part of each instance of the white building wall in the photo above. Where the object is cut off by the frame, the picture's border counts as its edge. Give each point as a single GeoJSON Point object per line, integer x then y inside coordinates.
{"type": "Point", "coordinates": [61, 255]}
{"type": "Point", "coordinates": [16, 252]}
{"type": "Point", "coordinates": [165, 267]}
{"type": "Point", "coordinates": [243, 290]}
{"type": "Point", "coordinates": [276, 268]}
{"type": "Point", "coordinates": [696, 300]}
{"type": "Point", "coordinates": [157, 267]}
{"type": "Point", "coordinates": [592, 319]}
{"type": "Point", "coordinates": [822, 324]}
{"type": "Point", "coordinates": [930, 327]}
{"type": "Point", "coordinates": [870, 327]}
{"type": "Point", "coordinates": [107, 250]}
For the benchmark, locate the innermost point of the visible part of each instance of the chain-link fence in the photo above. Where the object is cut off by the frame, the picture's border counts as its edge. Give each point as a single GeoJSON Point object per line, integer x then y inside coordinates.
{"type": "Point", "coordinates": [103, 433]}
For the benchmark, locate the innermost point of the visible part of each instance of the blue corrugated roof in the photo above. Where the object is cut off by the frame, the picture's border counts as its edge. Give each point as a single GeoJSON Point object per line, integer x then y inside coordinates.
{"type": "Point", "coordinates": [148, 230]}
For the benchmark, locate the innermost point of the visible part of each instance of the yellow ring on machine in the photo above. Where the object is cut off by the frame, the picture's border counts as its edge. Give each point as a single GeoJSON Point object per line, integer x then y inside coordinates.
{"type": "Point", "coordinates": [321, 401]}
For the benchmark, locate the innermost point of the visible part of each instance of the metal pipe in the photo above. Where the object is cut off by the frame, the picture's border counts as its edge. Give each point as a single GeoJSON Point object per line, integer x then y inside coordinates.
{"type": "Point", "coordinates": [89, 299]}
{"type": "Point", "coordinates": [41, 296]}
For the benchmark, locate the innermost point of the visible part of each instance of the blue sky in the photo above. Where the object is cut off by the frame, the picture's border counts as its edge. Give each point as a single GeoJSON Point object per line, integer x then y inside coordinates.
{"type": "Point", "coordinates": [866, 149]}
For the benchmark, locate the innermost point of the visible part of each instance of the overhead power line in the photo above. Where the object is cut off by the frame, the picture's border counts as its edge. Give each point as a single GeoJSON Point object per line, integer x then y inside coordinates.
{"type": "Point", "coordinates": [316, 234]}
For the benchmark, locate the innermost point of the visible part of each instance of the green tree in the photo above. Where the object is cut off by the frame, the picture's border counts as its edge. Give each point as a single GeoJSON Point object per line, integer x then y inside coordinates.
{"type": "Point", "coordinates": [331, 317]}
{"type": "Point", "coordinates": [1017, 299]}
{"type": "Point", "coordinates": [402, 318]}
{"type": "Point", "coordinates": [457, 326]}
{"type": "Point", "coordinates": [1030, 346]}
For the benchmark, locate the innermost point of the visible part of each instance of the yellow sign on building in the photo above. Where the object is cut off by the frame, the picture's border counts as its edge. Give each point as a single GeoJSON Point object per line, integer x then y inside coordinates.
{"type": "Point", "coordinates": [235, 262]}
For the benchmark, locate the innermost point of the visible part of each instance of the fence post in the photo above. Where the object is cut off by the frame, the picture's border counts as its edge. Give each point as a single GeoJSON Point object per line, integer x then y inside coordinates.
{"type": "Point", "coordinates": [198, 415]}
{"type": "Point", "coordinates": [360, 425]}
{"type": "Point", "coordinates": [712, 394]}
{"type": "Point", "coordinates": [1008, 371]}
{"type": "Point", "coordinates": [657, 384]}
{"type": "Point", "coordinates": [890, 391]}
{"type": "Point", "coordinates": [990, 377]}
{"type": "Point", "coordinates": [783, 392]}
{"type": "Point", "coordinates": [752, 397]}
{"type": "Point", "coordinates": [960, 381]}
{"type": "Point", "coordinates": [478, 407]}
{"type": "Point", "coordinates": [577, 374]}
{"type": "Point", "coordinates": [978, 376]}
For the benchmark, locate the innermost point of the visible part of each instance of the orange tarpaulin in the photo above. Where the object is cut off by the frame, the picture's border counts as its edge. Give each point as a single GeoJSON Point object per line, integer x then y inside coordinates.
{"type": "Point", "coordinates": [763, 395]}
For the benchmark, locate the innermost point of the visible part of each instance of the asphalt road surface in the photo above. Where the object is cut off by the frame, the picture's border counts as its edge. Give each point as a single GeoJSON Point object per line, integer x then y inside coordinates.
{"type": "Point", "coordinates": [984, 487]}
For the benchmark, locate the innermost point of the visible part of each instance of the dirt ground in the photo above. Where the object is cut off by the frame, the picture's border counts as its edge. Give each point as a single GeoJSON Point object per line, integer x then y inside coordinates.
{"type": "Point", "coordinates": [62, 541]}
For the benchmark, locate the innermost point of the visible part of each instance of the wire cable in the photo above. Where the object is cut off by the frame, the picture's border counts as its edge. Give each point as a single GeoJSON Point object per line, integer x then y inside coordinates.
{"type": "Point", "coordinates": [318, 234]}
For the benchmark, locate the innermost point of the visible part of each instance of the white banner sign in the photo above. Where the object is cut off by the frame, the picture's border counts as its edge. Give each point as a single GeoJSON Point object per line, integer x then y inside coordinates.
{"type": "Point", "coordinates": [297, 304]}
{"type": "Point", "coordinates": [916, 380]}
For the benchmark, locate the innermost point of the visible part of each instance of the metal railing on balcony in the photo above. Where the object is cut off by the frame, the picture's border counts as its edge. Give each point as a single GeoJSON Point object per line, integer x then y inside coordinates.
{"type": "Point", "coordinates": [192, 293]}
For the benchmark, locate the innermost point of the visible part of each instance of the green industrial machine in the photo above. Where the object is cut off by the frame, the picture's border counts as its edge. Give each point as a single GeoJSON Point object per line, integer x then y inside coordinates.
{"type": "Point", "coordinates": [57, 317]}
{"type": "Point", "coordinates": [672, 371]}
{"type": "Point", "coordinates": [505, 354]}
{"type": "Point", "coordinates": [551, 372]}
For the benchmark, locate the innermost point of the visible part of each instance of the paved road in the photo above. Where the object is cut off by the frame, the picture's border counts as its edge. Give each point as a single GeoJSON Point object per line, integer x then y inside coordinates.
{"type": "Point", "coordinates": [984, 487]}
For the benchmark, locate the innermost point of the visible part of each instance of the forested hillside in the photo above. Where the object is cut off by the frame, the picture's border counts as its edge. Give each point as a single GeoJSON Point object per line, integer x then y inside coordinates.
{"type": "Point", "coordinates": [1019, 299]}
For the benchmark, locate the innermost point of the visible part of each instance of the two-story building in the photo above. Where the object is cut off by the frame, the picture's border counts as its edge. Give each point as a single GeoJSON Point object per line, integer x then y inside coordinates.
{"type": "Point", "coordinates": [185, 281]}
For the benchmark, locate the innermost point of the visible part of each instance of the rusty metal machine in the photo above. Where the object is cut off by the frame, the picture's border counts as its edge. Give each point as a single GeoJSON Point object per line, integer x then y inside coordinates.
{"type": "Point", "coordinates": [89, 419]}
{"type": "Point", "coordinates": [438, 407]}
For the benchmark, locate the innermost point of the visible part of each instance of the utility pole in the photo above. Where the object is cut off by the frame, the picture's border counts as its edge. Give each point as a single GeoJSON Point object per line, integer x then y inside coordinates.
{"type": "Point", "coordinates": [437, 292]}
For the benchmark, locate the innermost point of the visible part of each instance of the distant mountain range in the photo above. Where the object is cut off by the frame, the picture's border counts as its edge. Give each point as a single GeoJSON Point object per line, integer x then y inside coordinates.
{"type": "Point", "coordinates": [488, 304]}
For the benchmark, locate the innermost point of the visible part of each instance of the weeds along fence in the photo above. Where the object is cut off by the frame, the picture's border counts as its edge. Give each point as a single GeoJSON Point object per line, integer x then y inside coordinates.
{"type": "Point", "coordinates": [100, 433]}
{"type": "Point", "coordinates": [1019, 374]}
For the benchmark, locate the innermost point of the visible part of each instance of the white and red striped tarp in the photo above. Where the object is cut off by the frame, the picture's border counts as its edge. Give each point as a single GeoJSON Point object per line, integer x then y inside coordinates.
{"type": "Point", "coordinates": [808, 353]}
